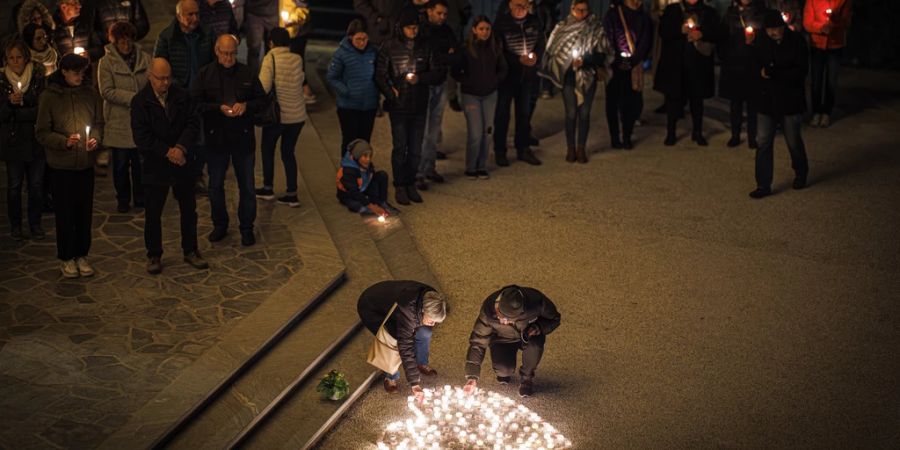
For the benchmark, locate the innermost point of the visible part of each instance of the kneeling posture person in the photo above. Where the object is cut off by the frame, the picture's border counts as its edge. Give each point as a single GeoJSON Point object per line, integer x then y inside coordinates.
{"type": "Point", "coordinates": [511, 319]}
{"type": "Point", "coordinates": [360, 187]}
{"type": "Point", "coordinates": [419, 308]}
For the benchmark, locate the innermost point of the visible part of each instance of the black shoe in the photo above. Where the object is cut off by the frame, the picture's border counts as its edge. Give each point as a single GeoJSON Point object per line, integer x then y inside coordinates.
{"type": "Point", "coordinates": [501, 160]}
{"type": "Point", "coordinates": [413, 194]}
{"type": "Point", "coordinates": [472, 175]}
{"type": "Point", "coordinates": [733, 142]}
{"type": "Point", "coordinates": [401, 196]}
{"type": "Point", "coordinates": [265, 194]}
{"type": "Point", "coordinates": [504, 380]}
{"type": "Point", "coordinates": [760, 193]}
{"type": "Point", "coordinates": [533, 141]}
{"type": "Point", "coordinates": [700, 140]}
{"type": "Point", "coordinates": [670, 141]}
{"type": "Point", "coordinates": [627, 144]}
{"type": "Point", "coordinates": [528, 156]}
{"type": "Point", "coordinates": [454, 105]}
{"type": "Point", "coordinates": [616, 144]}
{"type": "Point", "coordinates": [799, 182]}
{"type": "Point", "coordinates": [139, 204]}
{"type": "Point", "coordinates": [752, 144]}
{"type": "Point", "coordinates": [434, 176]}
{"type": "Point", "coordinates": [37, 233]}
{"type": "Point", "coordinates": [483, 175]}
{"type": "Point", "coordinates": [154, 265]}
{"type": "Point", "coordinates": [421, 184]}
{"type": "Point", "coordinates": [290, 200]}
{"type": "Point", "coordinates": [195, 260]}
{"type": "Point", "coordinates": [217, 234]}
{"type": "Point", "coordinates": [123, 208]}
{"type": "Point", "coordinates": [439, 155]}
{"type": "Point", "coordinates": [16, 234]}
{"type": "Point", "coordinates": [526, 388]}
{"type": "Point", "coordinates": [247, 238]}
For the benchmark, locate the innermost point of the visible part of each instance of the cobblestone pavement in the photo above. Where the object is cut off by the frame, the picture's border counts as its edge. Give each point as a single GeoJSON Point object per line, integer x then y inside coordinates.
{"type": "Point", "coordinates": [77, 357]}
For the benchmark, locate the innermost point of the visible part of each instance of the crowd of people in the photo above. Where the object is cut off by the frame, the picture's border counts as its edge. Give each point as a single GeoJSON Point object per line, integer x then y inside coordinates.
{"type": "Point", "coordinates": [79, 94]}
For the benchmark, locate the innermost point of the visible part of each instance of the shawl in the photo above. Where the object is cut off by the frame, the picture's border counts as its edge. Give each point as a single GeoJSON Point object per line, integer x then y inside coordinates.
{"type": "Point", "coordinates": [47, 59]}
{"type": "Point", "coordinates": [572, 38]}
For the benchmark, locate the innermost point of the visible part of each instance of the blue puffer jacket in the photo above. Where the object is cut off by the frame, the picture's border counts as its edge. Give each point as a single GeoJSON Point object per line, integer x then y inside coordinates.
{"type": "Point", "coordinates": [352, 76]}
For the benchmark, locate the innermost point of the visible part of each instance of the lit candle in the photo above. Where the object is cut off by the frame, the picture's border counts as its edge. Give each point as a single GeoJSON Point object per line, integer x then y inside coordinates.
{"type": "Point", "coordinates": [691, 24]}
{"type": "Point", "coordinates": [285, 16]}
{"type": "Point", "coordinates": [530, 55]}
{"type": "Point", "coordinates": [19, 86]}
{"type": "Point", "coordinates": [748, 31]}
{"type": "Point", "coordinates": [786, 17]}
{"type": "Point", "coordinates": [575, 53]}
{"type": "Point", "coordinates": [625, 54]}
{"type": "Point", "coordinates": [410, 76]}
{"type": "Point", "coordinates": [78, 51]}
{"type": "Point", "coordinates": [87, 135]}
{"type": "Point", "coordinates": [381, 219]}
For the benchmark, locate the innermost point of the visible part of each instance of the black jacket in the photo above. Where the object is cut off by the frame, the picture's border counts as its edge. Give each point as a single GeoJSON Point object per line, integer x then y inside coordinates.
{"type": "Point", "coordinates": [224, 132]}
{"type": "Point", "coordinates": [787, 63]}
{"type": "Point", "coordinates": [380, 16]}
{"type": "Point", "coordinates": [82, 35]}
{"type": "Point", "coordinates": [172, 45]}
{"type": "Point", "coordinates": [488, 329]}
{"type": "Point", "coordinates": [441, 39]}
{"type": "Point", "coordinates": [17, 141]}
{"type": "Point", "coordinates": [377, 300]}
{"type": "Point", "coordinates": [156, 129]}
{"type": "Point", "coordinates": [481, 73]}
{"type": "Point", "coordinates": [396, 58]}
{"type": "Point", "coordinates": [683, 71]}
{"type": "Point", "coordinates": [520, 38]}
{"type": "Point", "coordinates": [108, 12]}
{"type": "Point", "coordinates": [219, 18]}
{"type": "Point", "coordinates": [736, 77]}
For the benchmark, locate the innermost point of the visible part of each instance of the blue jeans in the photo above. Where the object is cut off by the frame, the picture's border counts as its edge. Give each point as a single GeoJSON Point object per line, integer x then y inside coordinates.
{"type": "Point", "coordinates": [577, 116]}
{"type": "Point", "coordinates": [519, 90]}
{"type": "Point", "coordinates": [407, 132]}
{"type": "Point", "coordinates": [16, 174]}
{"type": "Point", "coordinates": [422, 347]}
{"type": "Point", "coordinates": [764, 153]}
{"type": "Point", "coordinates": [824, 65]}
{"type": "Point", "coordinates": [480, 124]}
{"type": "Point", "coordinates": [127, 175]}
{"type": "Point", "coordinates": [437, 100]}
{"type": "Point", "coordinates": [289, 133]}
{"type": "Point", "coordinates": [243, 161]}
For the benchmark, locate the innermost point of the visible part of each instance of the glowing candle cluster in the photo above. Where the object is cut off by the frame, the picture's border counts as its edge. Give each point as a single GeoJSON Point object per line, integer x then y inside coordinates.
{"type": "Point", "coordinates": [450, 419]}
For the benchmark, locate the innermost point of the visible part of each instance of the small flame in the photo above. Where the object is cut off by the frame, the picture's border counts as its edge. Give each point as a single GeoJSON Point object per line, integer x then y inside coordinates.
{"type": "Point", "coordinates": [381, 219]}
{"type": "Point", "coordinates": [78, 51]}
{"type": "Point", "coordinates": [828, 11]}
{"type": "Point", "coordinates": [285, 16]}
{"type": "Point", "coordinates": [748, 30]}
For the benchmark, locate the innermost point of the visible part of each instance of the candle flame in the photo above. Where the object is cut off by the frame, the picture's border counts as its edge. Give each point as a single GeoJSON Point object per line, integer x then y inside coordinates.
{"type": "Point", "coordinates": [749, 30]}
{"type": "Point", "coordinates": [828, 11]}
{"type": "Point", "coordinates": [381, 219]}
{"type": "Point", "coordinates": [78, 51]}
{"type": "Point", "coordinates": [285, 16]}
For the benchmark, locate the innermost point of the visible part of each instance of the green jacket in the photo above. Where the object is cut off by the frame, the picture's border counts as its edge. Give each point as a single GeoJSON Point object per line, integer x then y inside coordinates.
{"type": "Point", "coordinates": [64, 110]}
{"type": "Point", "coordinates": [118, 85]}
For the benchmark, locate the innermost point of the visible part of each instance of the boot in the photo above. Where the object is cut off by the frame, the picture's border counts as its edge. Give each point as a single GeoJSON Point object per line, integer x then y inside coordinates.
{"type": "Point", "coordinates": [581, 155]}
{"type": "Point", "coordinates": [413, 194]}
{"type": "Point", "coordinates": [401, 196]}
{"type": "Point", "coordinates": [570, 155]}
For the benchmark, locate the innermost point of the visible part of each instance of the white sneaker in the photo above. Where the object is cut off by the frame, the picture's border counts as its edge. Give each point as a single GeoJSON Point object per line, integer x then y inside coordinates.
{"type": "Point", "coordinates": [825, 121]}
{"type": "Point", "coordinates": [84, 267]}
{"type": "Point", "coordinates": [69, 269]}
{"type": "Point", "coordinates": [816, 118]}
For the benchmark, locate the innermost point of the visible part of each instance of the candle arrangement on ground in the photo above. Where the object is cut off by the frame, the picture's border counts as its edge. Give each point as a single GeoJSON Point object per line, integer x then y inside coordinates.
{"type": "Point", "coordinates": [447, 418]}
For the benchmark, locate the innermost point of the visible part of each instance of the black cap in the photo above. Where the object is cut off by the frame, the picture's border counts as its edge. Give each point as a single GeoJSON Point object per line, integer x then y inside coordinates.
{"type": "Point", "coordinates": [407, 17]}
{"type": "Point", "coordinates": [773, 19]}
{"type": "Point", "coordinates": [512, 302]}
{"type": "Point", "coordinates": [73, 62]}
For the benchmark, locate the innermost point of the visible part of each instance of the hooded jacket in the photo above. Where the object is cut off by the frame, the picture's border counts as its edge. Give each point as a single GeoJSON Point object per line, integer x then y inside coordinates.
{"type": "Point", "coordinates": [538, 309]}
{"type": "Point", "coordinates": [64, 110]}
{"type": "Point", "coordinates": [353, 180]}
{"type": "Point", "coordinates": [80, 33]}
{"type": "Point", "coordinates": [118, 85]}
{"type": "Point", "coordinates": [398, 57]}
{"type": "Point", "coordinates": [17, 140]}
{"type": "Point", "coordinates": [156, 129]}
{"type": "Point", "coordinates": [352, 76]}
{"type": "Point", "coordinates": [787, 64]}
{"type": "Point", "coordinates": [24, 11]}
{"type": "Point", "coordinates": [373, 307]}
{"type": "Point", "coordinates": [108, 12]}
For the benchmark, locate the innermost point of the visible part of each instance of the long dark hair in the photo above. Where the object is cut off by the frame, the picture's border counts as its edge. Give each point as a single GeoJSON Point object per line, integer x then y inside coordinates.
{"type": "Point", "coordinates": [471, 39]}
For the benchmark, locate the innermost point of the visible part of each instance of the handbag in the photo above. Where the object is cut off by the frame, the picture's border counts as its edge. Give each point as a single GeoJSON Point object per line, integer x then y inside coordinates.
{"type": "Point", "coordinates": [270, 112]}
{"type": "Point", "coordinates": [637, 72]}
{"type": "Point", "coordinates": [383, 352]}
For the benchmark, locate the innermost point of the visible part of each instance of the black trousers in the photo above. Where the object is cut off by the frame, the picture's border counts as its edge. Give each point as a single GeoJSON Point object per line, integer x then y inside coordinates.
{"type": "Point", "coordinates": [407, 133]}
{"type": "Point", "coordinates": [737, 117]}
{"type": "Point", "coordinates": [355, 124]}
{"type": "Point", "coordinates": [675, 107]}
{"type": "Point", "coordinates": [621, 102]}
{"type": "Point", "coordinates": [520, 90]}
{"type": "Point", "coordinates": [503, 357]}
{"type": "Point", "coordinates": [73, 205]}
{"type": "Point", "coordinates": [376, 193]}
{"type": "Point", "coordinates": [155, 201]}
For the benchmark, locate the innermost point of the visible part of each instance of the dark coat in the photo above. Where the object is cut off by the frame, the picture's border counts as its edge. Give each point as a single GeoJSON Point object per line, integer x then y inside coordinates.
{"type": "Point", "coordinates": [219, 18]}
{"type": "Point", "coordinates": [380, 16]}
{"type": "Point", "coordinates": [172, 45]}
{"type": "Point", "coordinates": [481, 73]}
{"type": "Point", "coordinates": [108, 12]}
{"type": "Point", "coordinates": [83, 35]}
{"type": "Point", "coordinates": [787, 64]}
{"type": "Point", "coordinates": [488, 329]}
{"type": "Point", "coordinates": [641, 28]}
{"type": "Point", "coordinates": [395, 60]}
{"type": "Point", "coordinates": [222, 132]}
{"type": "Point", "coordinates": [441, 39]}
{"type": "Point", "coordinates": [683, 71]}
{"type": "Point", "coordinates": [17, 141]}
{"type": "Point", "coordinates": [520, 39]}
{"type": "Point", "coordinates": [353, 181]}
{"type": "Point", "coordinates": [736, 77]}
{"type": "Point", "coordinates": [377, 300]}
{"type": "Point", "coordinates": [156, 129]}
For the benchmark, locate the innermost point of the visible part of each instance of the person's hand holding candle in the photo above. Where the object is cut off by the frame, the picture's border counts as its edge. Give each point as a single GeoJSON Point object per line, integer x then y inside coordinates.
{"type": "Point", "coordinates": [826, 28]}
{"type": "Point", "coordinates": [529, 59]}
{"type": "Point", "coordinates": [73, 140]}
{"type": "Point", "coordinates": [577, 61]}
{"type": "Point", "coordinates": [412, 78]}
{"type": "Point", "coordinates": [749, 34]}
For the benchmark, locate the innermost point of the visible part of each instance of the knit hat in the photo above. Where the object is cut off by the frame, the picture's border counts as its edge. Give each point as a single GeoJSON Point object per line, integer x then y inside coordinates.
{"type": "Point", "coordinates": [408, 16]}
{"type": "Point", "coordinates": [358, 148]}
{"type": "Point", "coordinates": [773, 19]}
{"type": "Point", "coordinates": [512, 302]}
{"type": "Point", "coordinates": [73, 62]}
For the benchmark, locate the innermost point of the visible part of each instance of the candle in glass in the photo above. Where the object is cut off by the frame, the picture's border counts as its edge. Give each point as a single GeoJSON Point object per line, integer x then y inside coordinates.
{"type": "Point", "coordinates": [691, 24]}
{"type": "Point", "coordinates": [828, 13]}
{"type": "Point", "coordinates": [748, 31]}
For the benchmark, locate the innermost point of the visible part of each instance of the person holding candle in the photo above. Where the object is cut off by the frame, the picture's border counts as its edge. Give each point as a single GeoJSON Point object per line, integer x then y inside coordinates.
{"type": "Point", "coordinates": [74, 29]}
{"type": "Point", "coordinates": [781, 61]}
{"type": "Point", "coordinates": [21, 83]}
{"type": "Point", "coordinates": [791, 12]}
{"type": "Point", "coordinates": [512, 319]}
{"type": "Point", "coordinates": [228, 94]}
{"type": "Point", "coordinates": [629, 30]}
{"type": "Point", "coordinates": [828, 22]}
{"type": "Point", "coordinates": [409, 311]}
{"type": "Point", "coordinates": [37, 37]}
{"type": "Point", "coordinates": [405, 68]}
{"type": "Point", "coordinates": [479, 71]}
{"type": "Point", "coordinates": [109, 12]}
{"type": "Point", "coordinates": [69, 122]}
{"type": "Point", "coordinates": [351, 75]}
{"type": "Point", "coordinates": [121, 74]}
{"type": "Point", "coordinates": [522, 36]}
{"type": "Point", "coordinates": [360, 187]}
{"type": "Point", "coordinates": [741, 24]}
{"type": "Point", "coordinates": [689, 32]}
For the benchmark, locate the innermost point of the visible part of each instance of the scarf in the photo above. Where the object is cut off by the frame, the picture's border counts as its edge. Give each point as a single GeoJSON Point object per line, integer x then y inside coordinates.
{"type": "Point", "coordinates": [25, 78]}
{"type": "Point", "coordinates": [584, 37]}
{"type": "Point", "coordinates": [47, 58]}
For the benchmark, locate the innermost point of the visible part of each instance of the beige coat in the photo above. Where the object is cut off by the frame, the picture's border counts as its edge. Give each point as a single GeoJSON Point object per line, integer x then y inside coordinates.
{"type": "Point", "coordinates": [288, 80]}
{"type": "Point", "coordinates": [118, 84]}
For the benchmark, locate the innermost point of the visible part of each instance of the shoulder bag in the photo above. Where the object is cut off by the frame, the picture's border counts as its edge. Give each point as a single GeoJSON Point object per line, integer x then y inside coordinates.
{"type": "Point", "coordinates": [383, 352]}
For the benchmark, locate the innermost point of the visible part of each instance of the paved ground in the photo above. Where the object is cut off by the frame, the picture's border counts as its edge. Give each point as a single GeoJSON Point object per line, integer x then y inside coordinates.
{"type": "Point", "coordinates": [693, 317]}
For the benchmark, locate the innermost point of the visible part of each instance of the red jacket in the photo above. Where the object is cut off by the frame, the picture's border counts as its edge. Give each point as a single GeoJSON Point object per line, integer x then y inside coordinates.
{"type": "Point", "coordinates": [815, 17]}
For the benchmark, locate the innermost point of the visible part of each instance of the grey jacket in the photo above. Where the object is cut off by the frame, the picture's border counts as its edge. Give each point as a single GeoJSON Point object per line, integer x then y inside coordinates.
{"type": "Point", "coordinates": [118, 85]}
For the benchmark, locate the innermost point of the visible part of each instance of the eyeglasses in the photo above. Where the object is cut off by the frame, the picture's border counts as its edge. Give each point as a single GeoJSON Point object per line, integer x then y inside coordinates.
{"type": "Point", "coordinates": [40, 38]}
